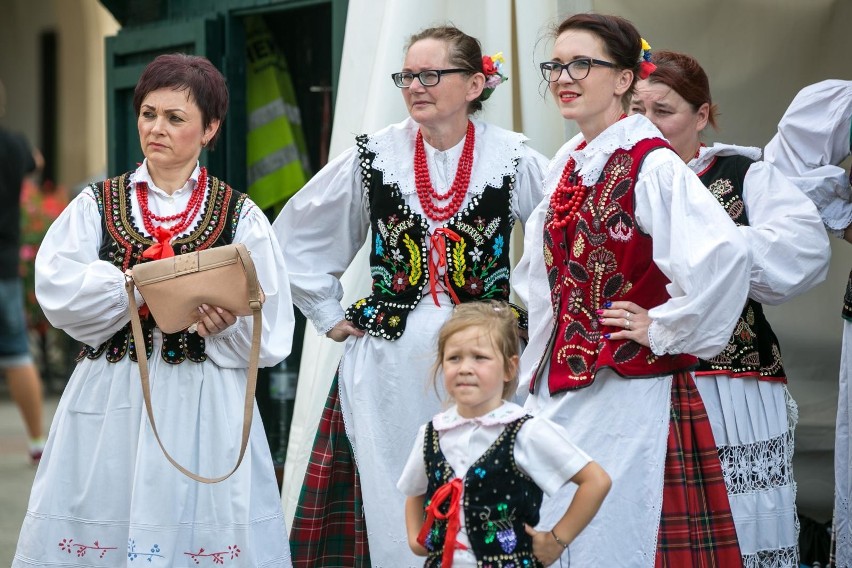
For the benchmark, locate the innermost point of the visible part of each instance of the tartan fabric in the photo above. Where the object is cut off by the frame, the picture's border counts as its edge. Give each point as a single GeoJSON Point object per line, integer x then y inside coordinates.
{"type": "Point", "coordinates": [696, 525]}
{"type": "Point", "coordinates": [329, 529]}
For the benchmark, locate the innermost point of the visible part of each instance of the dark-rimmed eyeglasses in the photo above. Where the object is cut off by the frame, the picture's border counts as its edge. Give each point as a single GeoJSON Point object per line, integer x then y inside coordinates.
{"type": "Point", "coordinates": [577, 69]}
{"type": "Point", "coordinates": [427, 77]}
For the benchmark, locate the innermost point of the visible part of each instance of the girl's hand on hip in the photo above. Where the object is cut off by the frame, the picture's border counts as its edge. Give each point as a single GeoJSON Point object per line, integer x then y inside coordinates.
{"type": "Point", "coordinates": [544, 546]}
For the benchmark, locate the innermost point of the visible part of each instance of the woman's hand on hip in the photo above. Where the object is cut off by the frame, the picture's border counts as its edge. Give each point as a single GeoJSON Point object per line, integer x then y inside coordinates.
{"type": "Point", "coordinates": [630, 321]}
{"type": "Point", "coordinates": [342, 330]}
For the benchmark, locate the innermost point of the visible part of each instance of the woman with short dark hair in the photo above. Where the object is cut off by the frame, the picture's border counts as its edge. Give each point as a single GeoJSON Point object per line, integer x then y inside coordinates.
{"type": "Point", "coordinates": [104, 493]}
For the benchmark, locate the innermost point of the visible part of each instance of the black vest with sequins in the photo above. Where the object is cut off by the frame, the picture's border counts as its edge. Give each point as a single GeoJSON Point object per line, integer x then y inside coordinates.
{"type": "Point", "coordinates": [123, 244]}
{"type": "Point", "coordinates": [498, 499]}
{"type": "Point", "coordinates": [752, 350]}
{"type": "Point", "coordinates": [477, 263]}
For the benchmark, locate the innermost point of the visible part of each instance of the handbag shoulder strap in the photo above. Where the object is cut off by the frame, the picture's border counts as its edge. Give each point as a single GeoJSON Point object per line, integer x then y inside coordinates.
{"type": "Point", "coordinates": [256, 303]}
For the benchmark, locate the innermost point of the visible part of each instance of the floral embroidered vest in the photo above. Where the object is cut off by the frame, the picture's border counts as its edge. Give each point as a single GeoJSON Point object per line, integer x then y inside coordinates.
{"type": "Point", "coordinates": [497, 498]}
{"type": "Point", "coordinates": [753, 349]}
{"type": "Point", "coordinates": [601, 256]}
{"type": "Point", "coordinates": [123, 244]}
{"type": "Point", "coordinates": [476, 241]}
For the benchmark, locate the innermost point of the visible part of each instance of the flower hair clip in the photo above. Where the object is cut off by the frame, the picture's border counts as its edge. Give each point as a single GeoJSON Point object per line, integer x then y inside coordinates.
{"type": "Point", "coordinates": [646, 67]}
{"type": "Point", "coordinates": [492, 68]}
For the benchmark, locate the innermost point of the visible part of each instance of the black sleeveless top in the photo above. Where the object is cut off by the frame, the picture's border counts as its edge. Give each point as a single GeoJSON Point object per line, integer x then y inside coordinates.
{"type": "Point", "coordinates": [477, 263]}
{"type": "Point", "coordinates": [753, 349]}
{"type": "Point", "coordinates": [498, 499]}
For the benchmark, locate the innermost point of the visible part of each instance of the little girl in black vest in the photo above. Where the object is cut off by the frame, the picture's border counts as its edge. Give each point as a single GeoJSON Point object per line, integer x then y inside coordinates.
{"type": "Point", "coordinates": [477, 473]}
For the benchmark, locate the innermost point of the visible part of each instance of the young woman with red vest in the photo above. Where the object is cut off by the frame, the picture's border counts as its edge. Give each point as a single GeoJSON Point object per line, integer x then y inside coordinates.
{"type": "Point", "coordinates": [629, 225]}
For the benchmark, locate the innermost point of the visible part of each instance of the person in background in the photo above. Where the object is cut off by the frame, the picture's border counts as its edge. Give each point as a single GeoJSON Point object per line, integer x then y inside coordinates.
{"type": "Point", "coordinates": [439, 194]}
{"type": "Point", "coordinates": [813, 139]}
{"type": "Point", "coordinates": [104, 493]}
{"type": "Point", "coordinates": [481, 466]}
{"type": "Point", "coordinates": [744, 387]}
{"type": "Point", "coordinates": [632, 267]}
{"type": "Point", "coordinates": [17, 160]}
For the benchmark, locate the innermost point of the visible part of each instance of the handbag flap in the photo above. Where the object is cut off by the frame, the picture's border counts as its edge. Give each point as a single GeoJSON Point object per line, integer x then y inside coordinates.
{"type": "Point", "coordinates": [168, 268]}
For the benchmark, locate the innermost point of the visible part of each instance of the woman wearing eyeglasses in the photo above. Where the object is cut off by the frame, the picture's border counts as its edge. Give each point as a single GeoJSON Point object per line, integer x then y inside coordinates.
{"type": "Point", "coordinates": [627, 224]}
{"type": "Point", "coordinates": [439, 194]}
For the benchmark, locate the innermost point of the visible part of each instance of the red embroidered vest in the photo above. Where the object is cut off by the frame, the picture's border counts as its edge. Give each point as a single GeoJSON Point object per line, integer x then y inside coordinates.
{"type": "Point", "coordinates": [601, 256]}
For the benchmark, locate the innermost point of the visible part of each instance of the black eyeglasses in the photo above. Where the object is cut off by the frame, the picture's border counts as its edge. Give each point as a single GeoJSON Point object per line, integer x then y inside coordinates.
{"type": "Point", "coordinates": [577, 69]}
{"type": "Point", "coordinates": [427, 77]}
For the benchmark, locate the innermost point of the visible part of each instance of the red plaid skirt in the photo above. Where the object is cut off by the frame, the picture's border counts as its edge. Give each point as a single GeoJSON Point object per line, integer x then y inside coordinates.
{"type": "Point", "coordinates": [696, 526]}
{"type": "Point", "coordinates": [329, 529]}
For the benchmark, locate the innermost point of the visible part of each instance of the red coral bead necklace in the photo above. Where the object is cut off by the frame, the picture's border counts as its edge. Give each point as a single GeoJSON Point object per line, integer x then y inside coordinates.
{"type": "Point", "coordinates": [429, 198]}
{"type": "Point", "coordinates": [183, 219]}
{"type": "Point", "coordinates": [567, 197]}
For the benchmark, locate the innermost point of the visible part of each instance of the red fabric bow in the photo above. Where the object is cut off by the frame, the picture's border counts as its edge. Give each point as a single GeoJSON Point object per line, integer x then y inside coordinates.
{"type": "Point", "coordinates": [163, 247]}
{"type": "Point", "coordinates": [451, 491]}
{"type": "Point", "coordinates": [438, 244]}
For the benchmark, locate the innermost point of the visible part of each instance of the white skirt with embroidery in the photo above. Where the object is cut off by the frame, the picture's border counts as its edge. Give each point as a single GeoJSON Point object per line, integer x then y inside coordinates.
{"type": "Point", "coordinates": [753, 423]}
{"type": "Point", "coordinates": [104, 494]}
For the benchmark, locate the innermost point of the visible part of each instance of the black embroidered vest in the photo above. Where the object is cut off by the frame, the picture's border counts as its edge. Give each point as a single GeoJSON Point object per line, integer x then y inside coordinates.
{"type": "Point", "coordinates": [123, 244]}
{"type": "Point", "coordinates": [752, 350]}
{"type": "Point", "coordinates": [477, 263]}
{"type": "Point", "coordinates": [498, 499]}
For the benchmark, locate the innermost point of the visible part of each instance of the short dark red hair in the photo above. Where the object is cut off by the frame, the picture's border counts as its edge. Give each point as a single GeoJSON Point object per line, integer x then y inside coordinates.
{"type": "Point", "coordinates": [193, 73]}
{"type": "Point", "coordinates": [684, 75]}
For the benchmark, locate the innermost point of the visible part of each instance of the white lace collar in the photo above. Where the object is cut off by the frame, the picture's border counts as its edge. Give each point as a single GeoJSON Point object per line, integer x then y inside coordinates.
{"type": "Point", "coordinates": [142, 174]}
{"type": "Point", "coordinates": [706, 154]}
{"type": "Point", "coordinates": [624, 134]}
{"type": "Point", "coordinates": [506, 413]}
{"type": "Point", "coordinates": [494, 154]}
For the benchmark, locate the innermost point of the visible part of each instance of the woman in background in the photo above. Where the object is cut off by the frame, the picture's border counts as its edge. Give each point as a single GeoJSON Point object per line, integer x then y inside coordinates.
{"type": "Point", "coordinates": [744, 387]}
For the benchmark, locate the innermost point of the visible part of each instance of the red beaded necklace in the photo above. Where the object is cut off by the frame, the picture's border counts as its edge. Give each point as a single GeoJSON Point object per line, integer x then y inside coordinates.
{"type": "Point", "coordinates": [427, 194]}
{"type": "Point", "coordinates": [567, 197]}
{"type": "Point", "coordinates": [182, 220]}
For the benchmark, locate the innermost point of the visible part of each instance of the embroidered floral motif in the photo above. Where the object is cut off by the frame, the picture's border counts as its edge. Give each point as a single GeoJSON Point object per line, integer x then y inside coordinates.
{"type": "Point", "coordinates": [68, 545]}
{"type": "Point", "coordinates": [133, 554]}
{"type": "Point", "coordinates": [231, 553]}
{"type": "Point", "coordinates": [500, 527]}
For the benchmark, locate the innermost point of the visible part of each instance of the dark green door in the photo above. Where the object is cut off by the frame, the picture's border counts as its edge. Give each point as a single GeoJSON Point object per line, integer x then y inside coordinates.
{"type": "Point", "coordinates": [127, 54]}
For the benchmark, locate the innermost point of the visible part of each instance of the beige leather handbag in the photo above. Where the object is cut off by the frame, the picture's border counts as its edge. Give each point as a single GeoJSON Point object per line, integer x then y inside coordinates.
{"type": "Point", "coordinates": [173, 288]}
